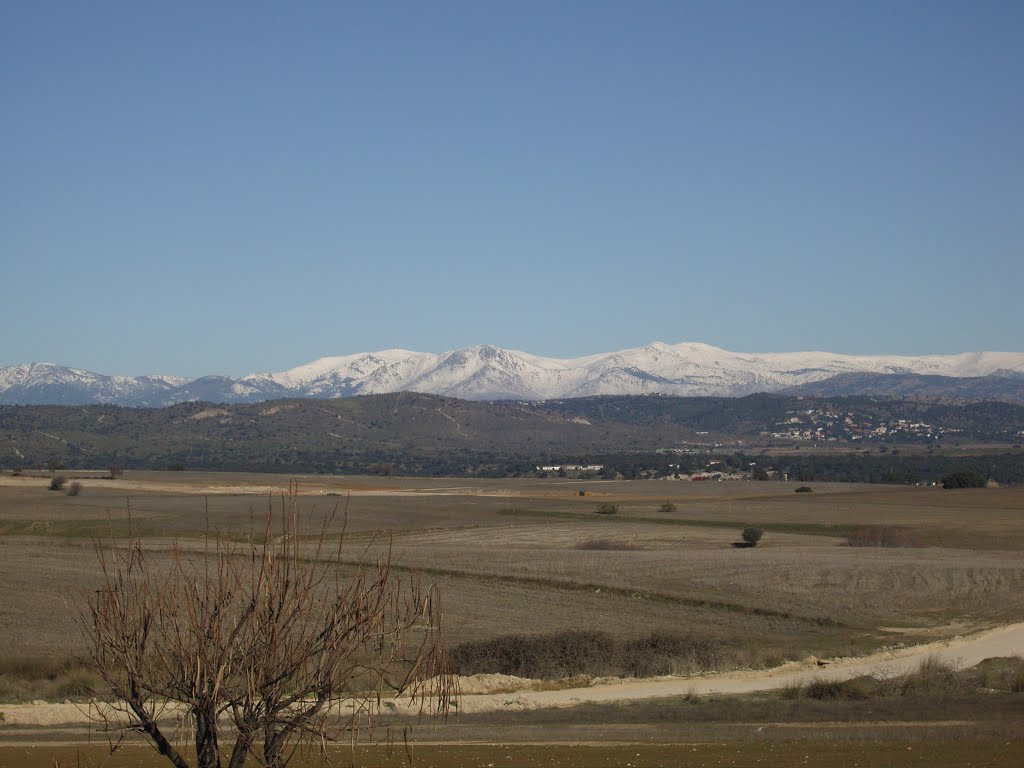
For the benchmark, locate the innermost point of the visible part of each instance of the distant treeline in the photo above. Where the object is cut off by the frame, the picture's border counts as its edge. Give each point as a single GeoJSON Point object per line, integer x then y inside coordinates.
{"type": "Point", "coordinates": [895, 467]}
{"type": "Point", "coordinates": [426, 435]}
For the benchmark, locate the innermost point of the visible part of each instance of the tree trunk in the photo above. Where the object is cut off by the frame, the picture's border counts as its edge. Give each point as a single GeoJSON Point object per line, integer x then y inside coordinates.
{"type": "Point", "coordinates": [207, 751]}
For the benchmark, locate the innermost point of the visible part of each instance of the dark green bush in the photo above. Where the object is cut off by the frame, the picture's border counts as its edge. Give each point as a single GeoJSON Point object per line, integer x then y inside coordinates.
{"type": "Point", "coordinates": [963, 479]}
{"type": "Point", "coordinates": [752, 536]}
{"type": "Point", "coordinates": [607, 509]}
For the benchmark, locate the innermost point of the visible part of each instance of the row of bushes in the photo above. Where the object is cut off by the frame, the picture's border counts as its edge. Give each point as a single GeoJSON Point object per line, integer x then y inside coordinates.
{"type": "Point", "coordinates": [58, 483]}
{"type": "Point", "coordinates": [588, 652]}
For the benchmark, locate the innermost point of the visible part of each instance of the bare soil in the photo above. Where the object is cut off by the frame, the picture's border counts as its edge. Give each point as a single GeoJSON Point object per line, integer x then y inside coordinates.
{"type": "Point", "coordinates": [800, 594]}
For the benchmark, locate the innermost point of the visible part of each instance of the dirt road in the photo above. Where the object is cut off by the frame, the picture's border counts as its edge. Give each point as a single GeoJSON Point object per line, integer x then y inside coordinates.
{"type": "Point", "coordinates": [963, 651]}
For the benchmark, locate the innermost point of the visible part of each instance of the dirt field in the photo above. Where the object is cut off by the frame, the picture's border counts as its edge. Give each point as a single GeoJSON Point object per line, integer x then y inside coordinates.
{"type": "Point", "coordinates": [518, 556]}
{"type": "Point", "coordinates": [507, 556]}
{"type": "Point", "coordinates": [702, 755]}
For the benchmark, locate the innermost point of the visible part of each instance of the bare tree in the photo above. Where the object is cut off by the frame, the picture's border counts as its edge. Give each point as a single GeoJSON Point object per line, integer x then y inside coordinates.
{"type": "Point", "coordinates": [278, 636]}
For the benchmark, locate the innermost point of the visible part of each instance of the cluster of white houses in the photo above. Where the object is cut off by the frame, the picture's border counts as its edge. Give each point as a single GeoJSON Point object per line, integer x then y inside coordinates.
{"type": "Point", "coordinates": [571, 468]}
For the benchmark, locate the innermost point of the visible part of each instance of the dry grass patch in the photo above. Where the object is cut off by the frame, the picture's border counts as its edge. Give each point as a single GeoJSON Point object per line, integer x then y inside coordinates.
{"type": "Point", "coordinates": [607, 545]}
{"type": "Point", "coordinates": [883, 536]}
{"type": "Point", "coordinates": [48, 678]}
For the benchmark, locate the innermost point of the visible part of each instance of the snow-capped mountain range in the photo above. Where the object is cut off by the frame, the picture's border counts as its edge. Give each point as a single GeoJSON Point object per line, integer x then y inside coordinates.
{"type": "Point", "coordinates": [489, 373]}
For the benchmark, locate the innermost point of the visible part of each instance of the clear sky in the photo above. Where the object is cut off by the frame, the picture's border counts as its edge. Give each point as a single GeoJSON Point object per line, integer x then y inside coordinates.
{"type": "Point", "coordinates": [222, 187]}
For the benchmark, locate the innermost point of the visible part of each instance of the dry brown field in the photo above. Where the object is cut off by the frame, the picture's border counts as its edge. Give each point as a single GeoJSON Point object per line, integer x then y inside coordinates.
{"type": "Point", "coordinates": [767, 754]}
{"type": "Point", "coordinates": [514, 556]}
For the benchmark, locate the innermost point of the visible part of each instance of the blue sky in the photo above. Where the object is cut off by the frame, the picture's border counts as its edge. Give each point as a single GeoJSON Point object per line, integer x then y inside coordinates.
{"type": "Point", "coordinates": [228, 187]}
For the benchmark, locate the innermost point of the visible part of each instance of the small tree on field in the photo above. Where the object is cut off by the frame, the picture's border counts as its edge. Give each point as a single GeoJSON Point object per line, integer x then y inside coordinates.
{"type": "Point", "coordinates": [75, 488]}
{"type": "Point", "coordinates": [606, 509]}
{"type": "Point", "coordinates": [752, 536]}
{"type": "Point", "coordinates": [667, 508]}
{"type": "Point", "coordinates": [57, 483]}
{"type": "Point", "coordinates": [278, 634]}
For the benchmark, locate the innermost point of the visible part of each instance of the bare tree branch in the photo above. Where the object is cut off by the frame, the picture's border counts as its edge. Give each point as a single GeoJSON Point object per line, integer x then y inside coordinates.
{"type": "Point", "coordinates": [270, 635]}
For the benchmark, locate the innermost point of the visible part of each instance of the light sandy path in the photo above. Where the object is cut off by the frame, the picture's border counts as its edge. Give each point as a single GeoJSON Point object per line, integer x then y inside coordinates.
{"type": "Point", "coordinates": [962, 651]}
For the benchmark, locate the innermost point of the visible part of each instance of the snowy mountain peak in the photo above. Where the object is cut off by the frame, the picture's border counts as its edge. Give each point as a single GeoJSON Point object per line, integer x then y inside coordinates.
{"type": "Point", "coordinates": [489, 372]}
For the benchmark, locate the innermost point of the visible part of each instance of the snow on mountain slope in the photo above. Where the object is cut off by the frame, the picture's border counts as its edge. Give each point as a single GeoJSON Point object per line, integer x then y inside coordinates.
{"type": "Point", "coordinates": [46, 383]}
{"type": "Point", "coordinates": [488, 372]}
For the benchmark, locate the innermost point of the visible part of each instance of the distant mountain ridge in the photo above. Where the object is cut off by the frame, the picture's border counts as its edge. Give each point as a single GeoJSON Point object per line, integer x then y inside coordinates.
{"type": "Point", "coordinates": [485, 372]}
{"type": "Point", "coordinates": [1003, 386]}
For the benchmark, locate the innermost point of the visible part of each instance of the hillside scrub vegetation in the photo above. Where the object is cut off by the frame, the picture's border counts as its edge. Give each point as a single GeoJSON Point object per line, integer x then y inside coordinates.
{"type": "Point", "coordinates": [411, 434]}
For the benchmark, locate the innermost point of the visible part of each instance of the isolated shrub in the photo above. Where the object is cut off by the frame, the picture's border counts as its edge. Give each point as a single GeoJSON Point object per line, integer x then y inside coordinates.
{"type": "Point", "coordinates": [966, 478]}
{"type": "Point", "coordinates": [882, 536]}
{"type": "Point", "coordinates": [804, 489]}
{"type": "Point", "coordinates": [75, 488]}
{"type": "Point", "coordinates": [607, 509]}
{"type": "Point", "coordinates": [752, 536]}
{"type": "Point", "coordinates": [933, 676]}
{"type": "Point", "coordinates": [792, 691]}
{"type": "Point", "coordinates": [837, 690]}
{"type": "Point", "coordinates": [115, 471]}
{"type": "Point", "coordinates": [667, 508]}
{"type": "Point", "coordinates": [57, 483]}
